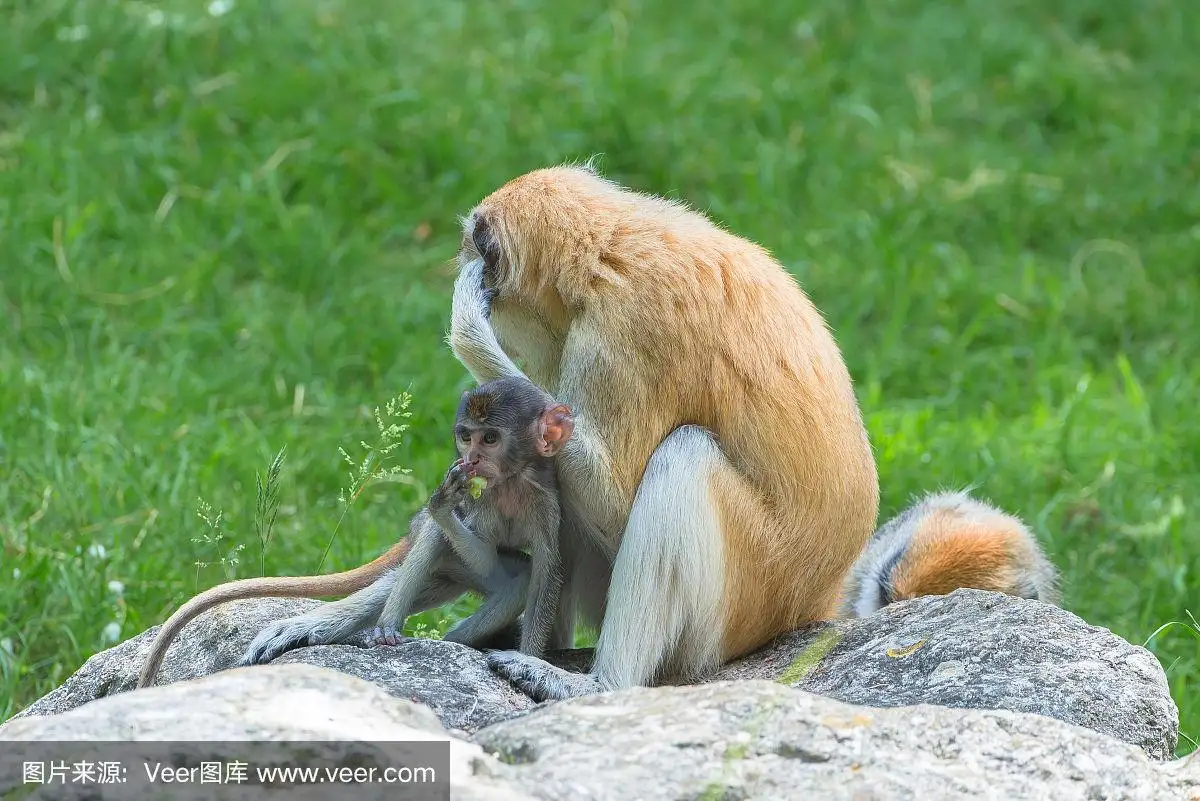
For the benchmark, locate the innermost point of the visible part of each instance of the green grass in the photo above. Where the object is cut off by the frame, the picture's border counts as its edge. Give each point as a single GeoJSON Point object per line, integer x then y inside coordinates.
{"type": "Point", "coordinates": [225, 235]}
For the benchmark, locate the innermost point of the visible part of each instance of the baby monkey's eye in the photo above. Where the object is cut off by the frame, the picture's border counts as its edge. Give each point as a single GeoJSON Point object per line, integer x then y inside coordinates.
{"type": "Point", "coordinates": [490, 437]}
{"type": "Point", "coordinates": [464, 435]}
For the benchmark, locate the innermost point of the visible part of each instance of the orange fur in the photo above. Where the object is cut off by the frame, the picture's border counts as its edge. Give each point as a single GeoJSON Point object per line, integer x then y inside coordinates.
{"type": "Point", "coordinates": [695, 325]}
{"type": "Point", "coordinates": [949, 551]}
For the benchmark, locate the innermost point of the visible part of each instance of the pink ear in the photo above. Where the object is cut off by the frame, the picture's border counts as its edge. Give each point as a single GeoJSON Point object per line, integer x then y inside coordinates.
{"type": "Point", "coordinates": [554, 429]}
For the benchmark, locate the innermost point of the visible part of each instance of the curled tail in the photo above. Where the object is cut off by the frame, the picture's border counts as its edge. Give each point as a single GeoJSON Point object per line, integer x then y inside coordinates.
{"type": "Point", "coordinates": [947, 541]}
{"type": "Point", "coordinates": [342, 583]}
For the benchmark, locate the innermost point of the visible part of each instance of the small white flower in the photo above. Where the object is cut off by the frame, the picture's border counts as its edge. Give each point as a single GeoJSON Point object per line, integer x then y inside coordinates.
{"type": "Point", "coordinates": [116, 587]}
{"type": "Point", "coordinates": [97, 551]}
{"type": "Point", "coordinates": [112, 632]}
{"type": "Point", "coordinates": [16, 573]}
{"type": "Point", "coordinates": [219, 8]}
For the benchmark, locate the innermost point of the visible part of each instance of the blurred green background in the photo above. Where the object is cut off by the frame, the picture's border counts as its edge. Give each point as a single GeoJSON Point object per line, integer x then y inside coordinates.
{"type": "Point", "coordinates": [227, 228]}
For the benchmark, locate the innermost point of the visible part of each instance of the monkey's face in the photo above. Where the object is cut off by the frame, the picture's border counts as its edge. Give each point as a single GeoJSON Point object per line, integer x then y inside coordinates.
{"type": "Point", "coordinates": [484, 450]}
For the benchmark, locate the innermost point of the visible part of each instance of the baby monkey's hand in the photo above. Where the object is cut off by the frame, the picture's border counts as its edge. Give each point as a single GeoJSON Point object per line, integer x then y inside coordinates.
{"type": "Point", "coordinates": [454, 488]}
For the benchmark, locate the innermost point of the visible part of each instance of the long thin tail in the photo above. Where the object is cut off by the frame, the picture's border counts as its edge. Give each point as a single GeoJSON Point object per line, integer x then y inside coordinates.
{"type": "Point", "coordinates": [471, 336]}
{"type": "Point", "coordinates": [343, 583]}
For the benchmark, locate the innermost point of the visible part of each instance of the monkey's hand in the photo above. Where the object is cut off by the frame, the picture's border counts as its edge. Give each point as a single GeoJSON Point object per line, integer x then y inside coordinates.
{"type": "Point", "coordinates": [454, 490]}
{"type": "Point", "coordinates": [541, 680]}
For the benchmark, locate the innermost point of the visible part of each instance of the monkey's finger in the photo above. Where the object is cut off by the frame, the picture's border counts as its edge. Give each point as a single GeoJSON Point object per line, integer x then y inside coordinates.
{"type": "Point", "coordinates": [461, 477]}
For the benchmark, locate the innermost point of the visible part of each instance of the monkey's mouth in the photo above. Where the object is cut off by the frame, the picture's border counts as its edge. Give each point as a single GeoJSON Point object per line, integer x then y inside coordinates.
{"type": "Point", "coordinates": [486, 473]}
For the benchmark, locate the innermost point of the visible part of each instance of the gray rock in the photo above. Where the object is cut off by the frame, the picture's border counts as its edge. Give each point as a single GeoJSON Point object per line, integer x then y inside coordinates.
{"type": "Point", "coordinates": [970, 649]}
{"type": "Point", "coordinates": [762, 740]}
{"type": "Point", "coordinates": [980, 650]}
{"type": "Point", "coordinates": [452, 679]}
{"type": "Point", "coordinates": [211, 642]}
{"type": "Point", "coordinates": [296, 706]}
{"type": "Point", "coordinates": [726, 740]}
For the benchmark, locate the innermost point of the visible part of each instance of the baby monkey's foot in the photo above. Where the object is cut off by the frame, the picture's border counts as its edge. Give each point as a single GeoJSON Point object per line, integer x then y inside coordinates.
{"type": "Point", "coordinates": [387, 635]}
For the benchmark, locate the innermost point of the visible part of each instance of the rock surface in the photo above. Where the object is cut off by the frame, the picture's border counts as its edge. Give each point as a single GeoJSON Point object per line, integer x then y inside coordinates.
{"type": "Point", "coordinates": [294, 705]}
{"type": "Point", "coordinates": [726, 740]}
{"type": "Point", "coordinates": [763, 740]}
{"type": "Point", "coordinates": [452, 679]}
{"type": "Point", "coordinates": [211, 642]}
{"type": "Point", "coordinates": [973, 650]}
{"type": "Point", "coordinates": [970, 650]}
{"type": "Point", "coordinates": [980, 650]}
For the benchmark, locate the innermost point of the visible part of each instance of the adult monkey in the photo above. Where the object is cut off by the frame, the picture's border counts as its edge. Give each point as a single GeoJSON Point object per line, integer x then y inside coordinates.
{"type": "Point", "coordinates": [720, 483]}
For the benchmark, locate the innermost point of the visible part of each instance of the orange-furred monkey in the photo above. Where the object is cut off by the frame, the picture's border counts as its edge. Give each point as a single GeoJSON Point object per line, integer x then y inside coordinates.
{"type": "Point", "coordinates": [719, 486]}
{"type": "Point", "coordinates": [720, 483]}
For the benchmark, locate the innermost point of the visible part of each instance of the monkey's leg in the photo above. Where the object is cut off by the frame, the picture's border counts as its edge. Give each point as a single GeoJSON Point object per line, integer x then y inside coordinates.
{"type": "Point", "coordinates": [504, 591]}
{"type": "Point", "coordinates": [412, 577]}
{"type": "Point", "coordinates": [543, 595]}
{"type": "Point", "coordinates": [663, 608]}
{"type": "Point", "coordinates": [343, 620]}
{"type": "Point", "coordinates": [335, 622]}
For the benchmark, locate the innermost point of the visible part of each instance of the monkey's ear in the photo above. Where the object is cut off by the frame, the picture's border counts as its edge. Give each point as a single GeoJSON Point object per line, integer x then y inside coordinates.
{"type": "Point", "coordinates": [554, 429]}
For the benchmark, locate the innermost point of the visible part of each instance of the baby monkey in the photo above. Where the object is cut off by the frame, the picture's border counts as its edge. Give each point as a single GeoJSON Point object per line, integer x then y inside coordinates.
{"type": "Point", "coordinates": [499, 497]}
{"type": "Point", "coordinates": [945, 541]}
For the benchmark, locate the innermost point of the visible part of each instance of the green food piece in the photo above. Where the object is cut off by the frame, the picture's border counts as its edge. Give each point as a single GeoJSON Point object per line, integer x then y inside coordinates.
{"type": "Point", "coordinates": [476, 486]}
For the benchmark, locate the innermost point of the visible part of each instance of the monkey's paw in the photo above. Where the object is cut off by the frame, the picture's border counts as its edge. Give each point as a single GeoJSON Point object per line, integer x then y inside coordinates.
{"type": "Point", "coordinates": [453, 489]}
{"type": "Point", "coordinates": [387, 635]}
{"type": "Point", "coordinates": [541, 680]}
{"type": "Point", "coordinates": [277, 638]}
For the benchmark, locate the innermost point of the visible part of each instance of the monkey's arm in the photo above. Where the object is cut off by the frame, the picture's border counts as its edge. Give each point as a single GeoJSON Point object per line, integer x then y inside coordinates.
{"type": "Point", "coordinates": [479, 556]}
{"type": "Point", "coordinates": [585, 460]}
{"type": "Point", "coordinates": [414, 573]}
{"type": "Point", "coordinates": [471, 335]}
{"type": "Point", "coordinates": [592, 500]}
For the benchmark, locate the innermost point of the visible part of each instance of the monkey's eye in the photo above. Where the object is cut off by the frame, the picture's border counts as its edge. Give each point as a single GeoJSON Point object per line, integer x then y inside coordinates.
{"type": "Point", "coordinates": [464, 435]}
{"type": "Point", "coordinates": [490, 438]}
